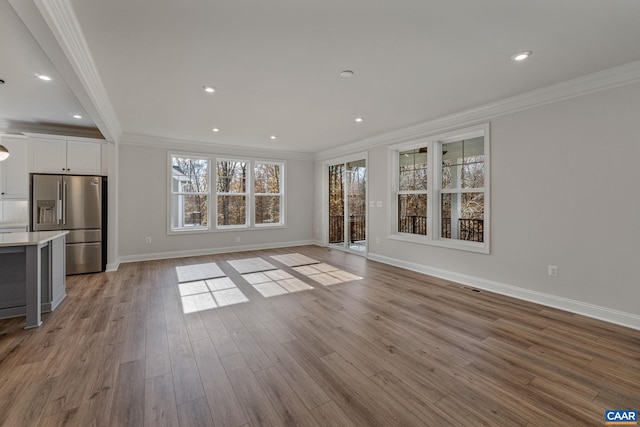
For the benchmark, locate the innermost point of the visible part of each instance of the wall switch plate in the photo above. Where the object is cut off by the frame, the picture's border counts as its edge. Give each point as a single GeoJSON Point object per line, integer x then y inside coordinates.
{"type": "Point", "coordinates": [552, 270]}
{"type": "Point", "coordinates": [148, 240]}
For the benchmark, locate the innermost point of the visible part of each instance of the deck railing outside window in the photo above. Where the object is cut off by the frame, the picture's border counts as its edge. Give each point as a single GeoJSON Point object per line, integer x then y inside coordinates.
{"type": "Point", "coordinates": [469, 229]}
{"type": "Point", "coordinates": [413, 224]}
{"type": "Point", "coordinates": [357, 228]}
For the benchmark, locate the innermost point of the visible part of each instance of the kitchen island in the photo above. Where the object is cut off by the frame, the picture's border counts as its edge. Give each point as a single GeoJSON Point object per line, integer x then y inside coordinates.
{"type": "Point", "coordinates": [32, 274]}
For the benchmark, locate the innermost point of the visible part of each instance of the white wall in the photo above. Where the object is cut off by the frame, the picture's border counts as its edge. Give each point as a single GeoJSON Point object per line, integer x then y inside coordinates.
{"type": "Point", "coordinates": [564, 192]}
{"type": "Point", "coordinates": [143, 209]}
{"type": "Point", "coordinates": [110, 154]}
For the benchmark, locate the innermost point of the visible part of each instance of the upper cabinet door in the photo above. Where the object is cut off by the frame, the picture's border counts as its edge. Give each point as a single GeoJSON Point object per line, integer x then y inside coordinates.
{"type": "Point", "coordinates": [49, 156]}
{"type": "Point", "coordinates": [14, 178]}
{"type": "Point", "coordinates": [66, 157]}
{"type": "Point", "coordinates": [83, 158]}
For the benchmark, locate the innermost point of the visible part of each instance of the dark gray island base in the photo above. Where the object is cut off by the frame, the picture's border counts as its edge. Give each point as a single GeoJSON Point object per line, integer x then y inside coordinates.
{"type": "Point", "coordinates": [32, 274]}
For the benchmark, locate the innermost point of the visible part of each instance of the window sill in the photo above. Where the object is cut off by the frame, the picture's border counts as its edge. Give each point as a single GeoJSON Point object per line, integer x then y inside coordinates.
{"type": "Point", "coordinates": [189, 230]}
{"type": "Point", "coordinates": [482, 248]}
{"type": "Point", "coordinates": [261, 226]}
{"type": "Point", "coordinates": [203, 230]}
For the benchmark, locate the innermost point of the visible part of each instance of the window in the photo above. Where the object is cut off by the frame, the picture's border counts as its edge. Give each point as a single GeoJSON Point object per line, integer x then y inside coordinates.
{"type": "Point", "coordinates": [239, 193]}
{"type": "Point", "coordinates": [448, 204]}
{"type": "Point", "coordinates": [462, 192]}
{"type": "Point", "coordinates": [231, 192]}
{"type": "Point", "coordinates": [413, 177]}
{"type": "Point", "coordinates": [267, 184]}
{"type": "Point", "coordinates": [189, 192]}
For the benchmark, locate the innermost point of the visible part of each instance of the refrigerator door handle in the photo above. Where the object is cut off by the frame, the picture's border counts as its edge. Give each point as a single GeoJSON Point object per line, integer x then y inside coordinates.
{"type": "Point", "coordinates": [58, 202]}
{"type": "Point", "coordinates": [64, 204]}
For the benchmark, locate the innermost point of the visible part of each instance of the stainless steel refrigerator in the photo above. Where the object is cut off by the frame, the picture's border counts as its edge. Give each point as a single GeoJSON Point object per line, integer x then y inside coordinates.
{"type": "Point", "coordinates": [75, 203]}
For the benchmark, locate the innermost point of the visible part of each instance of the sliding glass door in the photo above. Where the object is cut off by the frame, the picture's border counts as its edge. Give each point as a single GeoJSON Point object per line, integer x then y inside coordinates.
{"type": "Point", "coordinates": [348, 205]}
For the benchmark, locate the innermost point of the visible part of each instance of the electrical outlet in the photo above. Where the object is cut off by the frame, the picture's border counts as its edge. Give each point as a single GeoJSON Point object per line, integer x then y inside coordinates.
{"type": "Point", "coordinates": [148, 239]}
{"type": "Point", "coordinates": [237, 239]}
{"type": "Point", "coordinates": [552, 270]}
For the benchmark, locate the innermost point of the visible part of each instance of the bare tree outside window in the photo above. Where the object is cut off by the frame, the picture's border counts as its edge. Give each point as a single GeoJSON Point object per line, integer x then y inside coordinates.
{"type": "Point", "coordinates": [462, 200]}
{"type": "Point", "coordinates": [412, 191]}
{"type": "Point", "coordinates": [267, 183]}
{"type": "Point", "coordinates": [441, 190]}
{"type": "Point", "coordinates": [245, 193]}
{"type": "Point", "coordinates": [336, 203]}
{"type": "Point", "coordinates": [231, 188]}
{"type": "Point", "coordinates": [190, 189]}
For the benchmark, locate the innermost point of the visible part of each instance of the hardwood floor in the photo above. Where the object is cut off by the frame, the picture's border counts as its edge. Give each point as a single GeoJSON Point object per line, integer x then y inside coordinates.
{"type": "Point", "coordinates": [392, 348]}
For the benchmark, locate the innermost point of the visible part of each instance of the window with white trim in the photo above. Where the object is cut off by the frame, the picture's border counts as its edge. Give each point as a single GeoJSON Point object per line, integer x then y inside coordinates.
{"type": "Point", "coordinates": [267, 193]}
{"type": "Point", "coordinates": [231, 192]}
{"type": "Point", "coordinates": [189, 192]}
{"type": "Point", "coordinates": [441, 190]}
{"type": "Point", "coordinates": [413, 178]}
{"type": "Point", "coordinates": [462, 189]}
{"type": "Point", "coordinates": [218, 193]}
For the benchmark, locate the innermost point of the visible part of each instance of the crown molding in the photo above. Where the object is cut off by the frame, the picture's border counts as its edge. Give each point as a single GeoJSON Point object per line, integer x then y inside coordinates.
{"type": "Point", "coordinates": [607, 79]}
{"type": "Point", "coordinates": [63, 23]}
{"type": "Point", "coordinates": [210, 147]}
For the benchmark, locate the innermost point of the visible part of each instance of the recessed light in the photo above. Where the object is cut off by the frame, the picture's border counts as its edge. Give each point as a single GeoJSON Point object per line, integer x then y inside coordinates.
{"type": "Point", "coordinates": [76, 116]}
{"type": "Point", "coordinates": [273, 137]}
{"type": "Point", "coordinates": [521, 56]}
{"type": "Point", "coordinates": [215, 130]}
{"type": "Point", "coordinates": [44, 77]}
{"type": "Point", "coordinates": [346, 73]}
{"type": "Point", "coordinates": [208, 89]}
{"type": "Point", "coordinates": [359, 119]}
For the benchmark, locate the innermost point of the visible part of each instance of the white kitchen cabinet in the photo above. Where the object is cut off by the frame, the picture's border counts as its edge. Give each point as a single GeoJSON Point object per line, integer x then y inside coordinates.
{"type": "Point", "coordinates": [65, 157]}
{"type": "Point", "coordinates": [48, 155]}
{"type": "Point", "coordinates": [14, 176]}
{"type": "Point", "coordinates": [84, 158]}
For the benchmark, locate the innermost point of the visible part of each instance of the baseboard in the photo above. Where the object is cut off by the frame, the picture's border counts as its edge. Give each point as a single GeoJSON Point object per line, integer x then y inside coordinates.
{"type": "Point", "coordinates": [55, 303]}
{"type": "Point", "coordinates": [113, 266]}
{"type": "Point", "coordinates": [6, 313]}
{"type": "Point", "coordinates": [210, 251]}
{"type": "Point", "coordinates": [570, 305]}
{"type": "Point", "coordinates": [45, 307]}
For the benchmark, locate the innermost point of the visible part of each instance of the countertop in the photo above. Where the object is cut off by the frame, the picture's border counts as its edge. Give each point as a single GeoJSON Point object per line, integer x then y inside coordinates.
{"type": "Point", "coordinates": [28, 239]}
{"type": "Point", "coordinates": [13, 224]}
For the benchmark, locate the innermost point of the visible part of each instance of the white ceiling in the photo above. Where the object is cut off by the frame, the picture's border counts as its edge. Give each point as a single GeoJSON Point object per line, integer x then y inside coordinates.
{"type": "Point", "coordinates": [276, 64]}
{"type": "Point", "coordinates": [27, 102]}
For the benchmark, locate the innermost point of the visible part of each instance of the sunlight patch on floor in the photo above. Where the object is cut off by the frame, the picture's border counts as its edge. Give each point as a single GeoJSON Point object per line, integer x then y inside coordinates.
{"type": "Point", "coordinates": [326, 274]}
{"type": "Point", "coordinates": [294, 259]}
{"type": "Point", "coordinates": [251, 265]}
{"type": "Point", "coordinates": [208, 294]}
{"type": "Point", "coordinates": [275, 282]}
{"type": "Point", "coordinates": [190, 273]}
